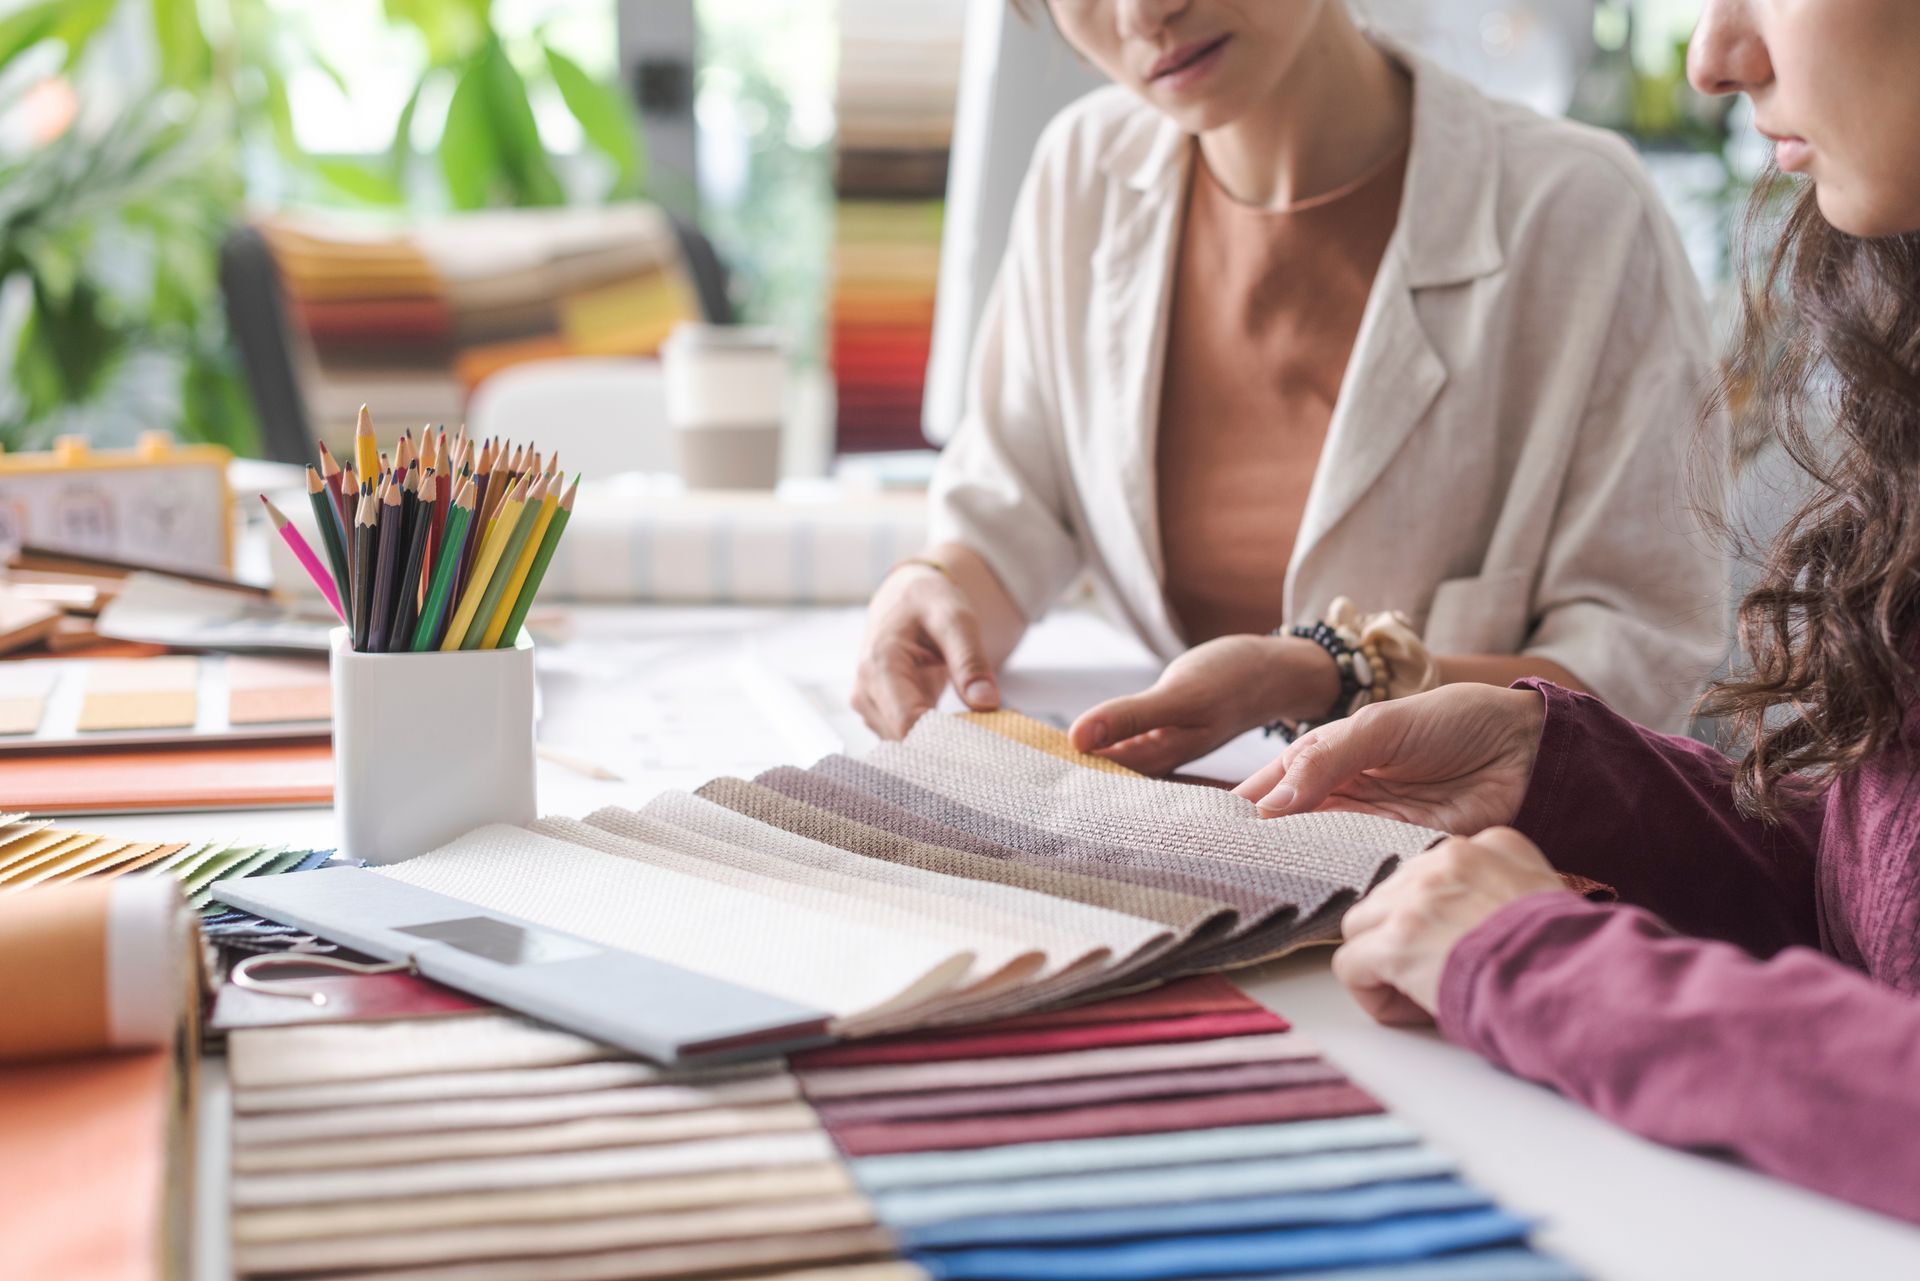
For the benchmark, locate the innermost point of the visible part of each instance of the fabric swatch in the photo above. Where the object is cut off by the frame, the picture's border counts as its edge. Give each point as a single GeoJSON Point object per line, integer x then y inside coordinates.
{"type": "Point", "coordinates": [141, 693]}
{"type": "Point", "coordinates": [1233, 1254]}
{"type": "Point", "coordinates": [429, 1116]}
{"type": "Point", "coordinates": [1347, 1205]}
{"type": "Point", "coordinates": [1082, 1156]}
{"type": "Point", "coordinates": [504, 1082]}
{"type": "Point", "coordinates": [577, 1135]}
{"type": "Point", "coordinates": [696, 924]}
{"type": "Point", "coordinates": [533, 1205]}
{"type": "Point", "coordinates": [983, 1044]}
{"type": "Point", "coordinates": [1155, 1185]}
{"type": "Point", "coordinates": [738, 1222]}
{"type": "Point", "coordinates": [899, 1078]}
{"type": "Point", "coordinates": [1154, 1116]}
{"type": "Point", "coordinates": [344, 1052]}
{"type": "Point", "coordinates": [1182, 998]}
{"type": "Point", "coordinates": [1043, 737]}
{"type": "Point", "coordinates": [545, 1169]}
{"type": "Point", "coordinates": [1502, 1263]}
{"type": "Point", "coordinates": [264, 691]}
{"type": "Point", "coordinates": [1046, 1095]}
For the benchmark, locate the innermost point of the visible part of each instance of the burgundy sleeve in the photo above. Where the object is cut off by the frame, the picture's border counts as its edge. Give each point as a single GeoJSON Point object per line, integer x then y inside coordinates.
{"type": "Point", "coordinates": [1798, 1065]}
{"type": "Point", "coordinates": [1652, 815]}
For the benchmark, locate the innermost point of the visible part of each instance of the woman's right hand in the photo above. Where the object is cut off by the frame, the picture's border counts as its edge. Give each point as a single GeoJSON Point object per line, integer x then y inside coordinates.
{"type": "Point", "coordinates": [1456, 758]}
{"type": "Point", "coordinates": [922, 631]}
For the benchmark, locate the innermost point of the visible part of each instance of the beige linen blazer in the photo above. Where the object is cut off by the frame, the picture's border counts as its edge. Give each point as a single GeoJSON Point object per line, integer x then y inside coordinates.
{"type": "Point", "coordinates": [1505, 460]}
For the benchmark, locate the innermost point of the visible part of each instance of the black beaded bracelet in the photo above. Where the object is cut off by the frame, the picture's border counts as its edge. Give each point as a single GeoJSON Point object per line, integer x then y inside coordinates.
{"type": "Point", "coordinates": [1352, 681]}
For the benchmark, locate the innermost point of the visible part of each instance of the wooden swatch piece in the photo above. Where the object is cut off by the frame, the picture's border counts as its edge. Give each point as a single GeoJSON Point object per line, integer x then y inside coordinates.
{"type": "Point", "coordinates": [148, 693]}
{"type": "Point", "coordinates": [267, 691]}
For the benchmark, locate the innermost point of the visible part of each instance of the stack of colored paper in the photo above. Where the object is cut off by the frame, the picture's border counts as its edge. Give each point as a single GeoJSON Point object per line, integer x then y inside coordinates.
{"type": "Point", "coordinates": [899, 74]}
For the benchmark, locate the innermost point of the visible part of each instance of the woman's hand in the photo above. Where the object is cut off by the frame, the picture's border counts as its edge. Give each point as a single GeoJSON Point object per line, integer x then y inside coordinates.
{"type": "Point", "coordinates": [1456, 758]}
{"type": "Point", "coordinates": [1398, 937]}
{"type": "Point", "coordinates": [922, 631]}
{"type": "Point", "coordinates": [1208, 695]}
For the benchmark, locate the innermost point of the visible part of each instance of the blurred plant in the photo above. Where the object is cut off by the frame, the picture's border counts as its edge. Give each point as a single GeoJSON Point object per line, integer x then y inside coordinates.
{"type": "Point", "coordinates": [488, 146]}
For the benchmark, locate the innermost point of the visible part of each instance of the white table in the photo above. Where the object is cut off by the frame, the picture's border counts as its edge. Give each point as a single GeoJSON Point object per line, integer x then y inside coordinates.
{"type": "Point", "coordinates": [1624, 1209]}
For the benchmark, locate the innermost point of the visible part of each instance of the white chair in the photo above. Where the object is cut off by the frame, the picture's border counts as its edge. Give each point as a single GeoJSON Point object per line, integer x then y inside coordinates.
{"type": "Point", "coordinates": [604, 414]}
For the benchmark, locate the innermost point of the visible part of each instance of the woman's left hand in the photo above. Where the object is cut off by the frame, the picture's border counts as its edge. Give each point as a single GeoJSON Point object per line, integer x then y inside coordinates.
{"type": "Point", "coordinates": [1398, 937]}
{"type": "Point", "coordinates": [1207, 696]}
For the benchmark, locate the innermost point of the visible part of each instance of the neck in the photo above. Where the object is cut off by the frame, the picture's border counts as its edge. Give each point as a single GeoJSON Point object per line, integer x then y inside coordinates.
{"type": "Point", "coordinates": [1342, 108]}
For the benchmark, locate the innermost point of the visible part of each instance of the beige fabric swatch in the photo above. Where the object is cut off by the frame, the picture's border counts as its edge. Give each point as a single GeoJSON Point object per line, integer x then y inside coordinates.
{"type": "Point", "coordinates": [40, 854]}
{"type": "Point", "coordinates": [1001, 954]}
{"type": "Point", "coordinates": [1119, 1060]}
{"type": "Point", "coordinates": [141, 693]}
{"type": "Point", "coordinates": [740, 1221]}
{"type": "Point", "coordinates": [373, 1052]}
{"type": "Point", "coordinates": [533, 1205]}
{"type": "Point", "coordinates": [428, 1116]}
{"type": "Point", "coordinates": [73, 858]}
{"type": "Point", "coordinates": [744, 1255]}
{"type": "Point", "coordinates": [699, 925]}
{"type": "Point", "coordinates": [500, 1083]}
{"type": "Point", "coordinates": [558, 1136]}
{"type": "Point", "coordinates": [545, 1169]}
{"type": "Point", "coordinates": [1045, 738]}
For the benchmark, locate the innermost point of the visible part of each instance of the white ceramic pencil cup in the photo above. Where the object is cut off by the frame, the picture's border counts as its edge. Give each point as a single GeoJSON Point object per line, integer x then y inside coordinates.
{"type": "Point", "coordinates": [429, 746]}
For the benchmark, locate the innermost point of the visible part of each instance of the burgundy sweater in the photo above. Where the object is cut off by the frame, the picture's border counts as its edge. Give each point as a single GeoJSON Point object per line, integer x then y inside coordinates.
{"type": "Point", "coordinates": [1756, 991]}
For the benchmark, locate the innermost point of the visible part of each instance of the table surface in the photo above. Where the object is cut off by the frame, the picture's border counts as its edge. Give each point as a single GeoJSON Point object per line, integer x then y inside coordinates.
{"type": "Point", "coordinates": [1620, 1207]}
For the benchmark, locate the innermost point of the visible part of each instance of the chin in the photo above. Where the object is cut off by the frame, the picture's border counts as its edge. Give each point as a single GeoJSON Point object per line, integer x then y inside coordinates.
{"type": "Point", "coordinates": [1202, 116]}
{"type": "Point", "coordinates": [1857, 214]}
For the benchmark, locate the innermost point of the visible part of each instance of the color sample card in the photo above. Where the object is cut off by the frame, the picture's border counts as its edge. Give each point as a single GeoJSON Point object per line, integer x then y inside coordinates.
{"type": "Point", "coordinates": [23, 696]}
{"type": "Point", "coordinates": [141, 693]}
{"type": "Point", "coordinates": [264, 691]}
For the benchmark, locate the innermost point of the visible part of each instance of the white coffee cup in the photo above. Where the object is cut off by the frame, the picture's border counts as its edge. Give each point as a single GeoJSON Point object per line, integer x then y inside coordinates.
{"type": "Point", "coordinates": [726, 398]}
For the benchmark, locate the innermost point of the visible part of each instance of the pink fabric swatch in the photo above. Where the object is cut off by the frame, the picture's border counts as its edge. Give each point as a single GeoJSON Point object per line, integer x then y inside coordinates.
{"type": "Point", "coordinates": [1043, 1096]}
{"type": "Point", "coordinates": [1161, 1116]}
{"type": "Point", "coordinates": [1206, 994]}
{"type": "Point", "coordinates": [931, 1049]}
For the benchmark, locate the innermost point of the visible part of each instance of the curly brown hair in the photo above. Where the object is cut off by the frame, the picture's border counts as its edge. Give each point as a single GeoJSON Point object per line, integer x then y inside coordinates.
{"type": "Point", "coordinates": [1830, 324]}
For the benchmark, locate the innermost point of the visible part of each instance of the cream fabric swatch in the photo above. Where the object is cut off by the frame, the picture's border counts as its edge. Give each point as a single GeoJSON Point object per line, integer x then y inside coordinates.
{"type": "Point", "coordinates": [1072, 932]}
{"type": "Point", "coordinates": [739, 1221]}
{"type": "Point", "coordinates": [382, 1053]}
{"type": "Point", "coordinates": [533, 1205]}
{"type": "Point", "coordinates": [1119, 1060]}
{"type": "Point", "coordinates": [501, 1083]}
{"type": "Point", "coordinates": [546, 1169]}
{"type": "Point", "coordinates": [697, 924]}
{"type": "Point", "coordinates": [556, 1136]}
{"type": "Point", "coordinates": [1001, 955]}
{"type": "Point", "coordinates": [749, 1254]}
{"type": "Point", "coordinates": [434, 1115]}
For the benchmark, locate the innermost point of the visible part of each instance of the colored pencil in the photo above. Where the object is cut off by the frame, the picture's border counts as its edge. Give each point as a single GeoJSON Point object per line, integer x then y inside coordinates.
{"type": "Point", "coordinates": [363, 536]}
{"type": "Point", "coordinates": [303, 552]}
{"type": "Point", "coordinates": [514, 537]}
{"type": "Point", "coordinates": [330, 473]}
{"type": "Point", "coordinates": [458, 519]}
{"type": "Point", "coordinates": [326, 516]}
{"type": "Point", "coordinates": [511, 633]}
{"type": "Point", "coordinates": [484, 563]}
{"type": "Point", "coordinates": [407, 607]}
{"type": "Point", "coordinates": [385, 569]}
{"type": "Point", "coordinates": [366, 453]}
{"type": "Point", "coordinates": [548, 491]}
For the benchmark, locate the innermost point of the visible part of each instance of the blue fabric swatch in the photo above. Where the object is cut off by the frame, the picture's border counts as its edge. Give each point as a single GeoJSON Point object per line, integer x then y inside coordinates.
{"type": "Point", "coordinates": [1132, 1151]}
{"type": "Point", "coordinates": [1347, 1205]}
{"type": "Point", "coordinates": [1232, 1254]}
{"type": "Point", "coordinates": [1502, 1263]}
{"type": "Point", "coordinates": [1215, 1181]}
{"type": "Point", "coordinates": [311, 861]}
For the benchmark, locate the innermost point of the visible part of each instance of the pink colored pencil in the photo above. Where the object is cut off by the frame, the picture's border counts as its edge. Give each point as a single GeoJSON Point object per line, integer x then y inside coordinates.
{"type": "Point", "coordinates": [308, 560]}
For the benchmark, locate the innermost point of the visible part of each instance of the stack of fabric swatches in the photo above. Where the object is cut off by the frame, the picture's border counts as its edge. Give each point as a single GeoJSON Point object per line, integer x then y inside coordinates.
{"type": "Point", "coordinates": [1179, 1132]}
{"type": "Point", "coordinates": [441, 546]}
{"type": "Point", "coordinates": [37, 852]}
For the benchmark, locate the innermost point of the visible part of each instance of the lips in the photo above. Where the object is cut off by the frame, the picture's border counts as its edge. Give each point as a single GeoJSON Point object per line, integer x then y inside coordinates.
{"type": "Point", "coordinates": [1183, 57]}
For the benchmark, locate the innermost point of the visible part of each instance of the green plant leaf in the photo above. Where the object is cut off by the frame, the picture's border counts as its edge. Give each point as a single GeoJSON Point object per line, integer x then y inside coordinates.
{"type": "Point", "coordinates": [604, 118]}
{"type": "Point", "coordinates": [469, 159]}
{"type": "Point", "coordinates": [72, 22]}
{"type": "Point", "coordinates": [400, 150]}
{"type": "Point", "coordinates": [186, 59]}
{"type": "Point", "coordinates": [362, 183]}
{"type": "Point", "coordinates": [527, 171]}
{"type": "Point", "coordinates": [453, 29]}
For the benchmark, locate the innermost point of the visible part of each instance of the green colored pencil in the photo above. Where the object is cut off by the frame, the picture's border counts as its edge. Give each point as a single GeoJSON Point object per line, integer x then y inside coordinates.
{"type": "Point", "coordinates": [524, 520]}
{"type": "Point", "coordinates": [328, 518]}
{"type": "Point", "coordinates": [511, 632]}
{"type": "Point", "coordinates": [445, 567]}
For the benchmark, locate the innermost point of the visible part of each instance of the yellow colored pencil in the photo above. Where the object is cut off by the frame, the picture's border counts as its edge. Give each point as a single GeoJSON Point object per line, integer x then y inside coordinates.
{"type": "Point", "coordinates": [366, 451]}
{"type": "Point", "coordinates": [483, 570]}
{"type": "Point", "coordinates": [522, 564]}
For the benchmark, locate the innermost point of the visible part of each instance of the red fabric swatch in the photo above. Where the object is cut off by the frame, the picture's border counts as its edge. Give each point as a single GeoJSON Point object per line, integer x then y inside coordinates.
{"type": "Point", "coordinates": [1044, 1096]}
{"type": "Point", "coordinates": [1159, 1116]}
{"type": "Point", "coordinates": [988, 1045]}
{"type": "Point", "coordinates": [1205, 994]}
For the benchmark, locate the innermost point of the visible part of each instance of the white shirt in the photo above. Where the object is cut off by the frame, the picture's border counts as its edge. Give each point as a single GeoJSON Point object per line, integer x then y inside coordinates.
{"type": "Point", "coordinates": [1505, 460]}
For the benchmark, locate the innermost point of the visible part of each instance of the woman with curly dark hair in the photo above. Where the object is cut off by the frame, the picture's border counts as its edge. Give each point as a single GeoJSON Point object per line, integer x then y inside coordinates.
{"type": "Point", "coordinates": [1755, 992]}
